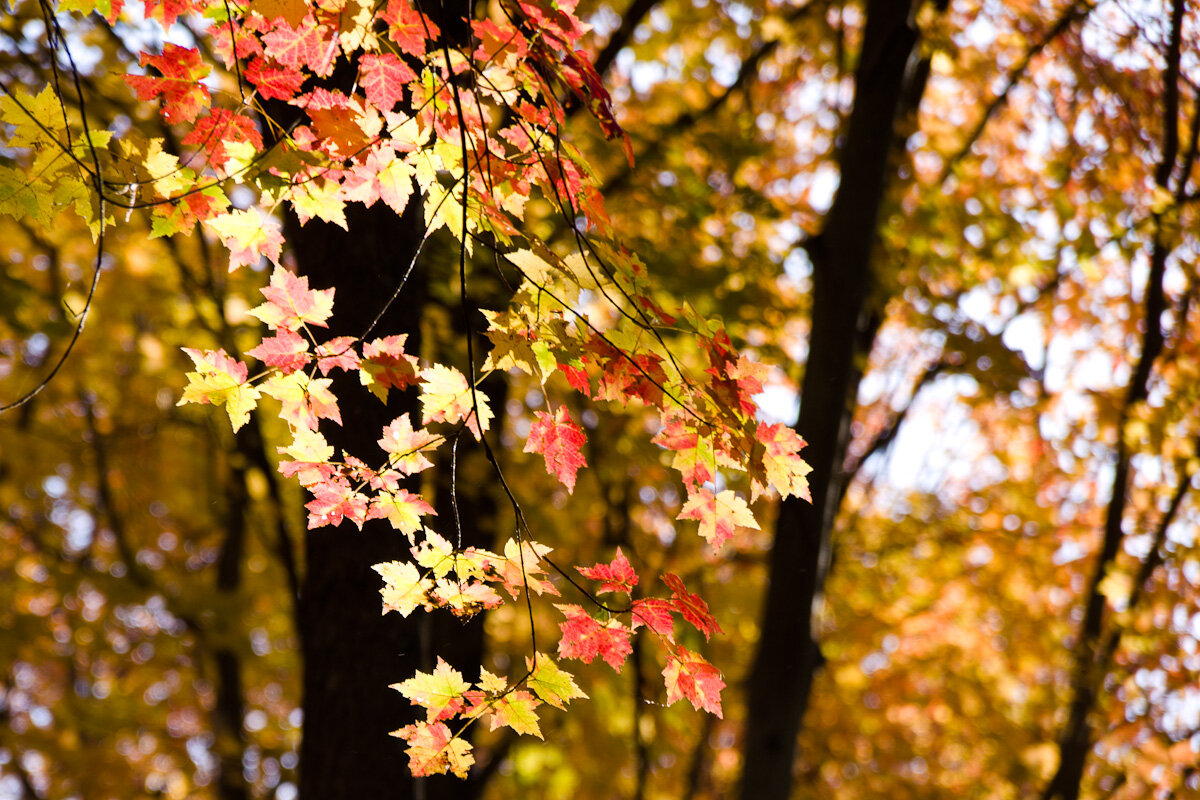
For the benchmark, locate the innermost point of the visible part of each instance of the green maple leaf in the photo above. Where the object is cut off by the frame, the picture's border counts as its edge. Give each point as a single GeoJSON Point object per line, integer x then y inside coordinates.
{"type": "Point", "coordinates": [552, 684]}
{"type": "Point", "coordinates": [517, 710]}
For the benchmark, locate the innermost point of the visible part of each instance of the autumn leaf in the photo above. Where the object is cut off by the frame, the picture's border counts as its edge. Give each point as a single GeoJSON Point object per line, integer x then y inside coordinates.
{"type": "Point", "coordinates": [689, 675]}
{"type": "Point", "coordinates": [304, 45]}
{"type": "Point", "coordinates": [220, 380]}
{"type": "Point", "coordinates": [385, 365]}
{"type": "Point", "coordinates": [522, 568]}
{"type": "Point", "coordinates": [584, 638]}
{"type": "Point", "coordinates": [406, 446]}
{"type": "Point", "coordinates": [292, 12]}
{"type": "Point", "coordinates": [310, 455]}
{"type": "Point", "coordinates": [335, 500]}
{"type": "Point", "coordinates": [249, 236]}
{"type": "Point", "coordinates": [433, 750]}
{"type": "Point", "coordinates": [319, 199]}
{"type": "Point", "coordinates": [656, 614]}
{"type": "Point", "coordinates": [183, 94]}
{"type": "Point", "coordinates": [291, 304]}
{"type": "Point", "coordinates": [558, 439]}
{"type": "Point", "coordinates": [517, 710]}
{"type": "Point", "coordinates": [383, 78]}
{"type": "Point", "coordinates": [691, 607]}
{"type": "Point", "coordinates": [435, 553]}
{"type": "Point", "coordinates": [286, 350]}
{"type": "Point", "coordinates": [616, 576]}
{"type": "Point", "coordinates": [216, 131]}
{"type": "Point", "coordinates": [447, 397]}
{"type": "Point", "coordinates": [408, 27]}
{"type": "Point", "coordinates": [552, 684]}
{"type": "Point", "coordinates": [465, 598]}
{"type": "Point", "coordinates": [401, 508]}
{"type": "Point", "coordinates": [695, 456]}
{"type": "Point", "coordinates": [439, 692]}
{"type": "Point", "coordinates": [304, 400]}
{"type": "Point", "coordinates": [720, 515]}
{"type": "Point", "coordinates": [404, 588]}
{"type": "Point", "coordinates": [785, 470]}
{"type": "Point", "coordinates": [337, 353]}
{"type": "Point", "coordinates": [274, 82]}
{"type": "Point", "coordinates": [166, 11]}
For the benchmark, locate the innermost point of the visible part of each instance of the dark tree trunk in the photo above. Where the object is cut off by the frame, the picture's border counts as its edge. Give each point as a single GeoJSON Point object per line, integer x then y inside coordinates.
{"type": "Point", "coordinates": [844, 321]}
{"type": "Point", "coordinates": [351, 653]}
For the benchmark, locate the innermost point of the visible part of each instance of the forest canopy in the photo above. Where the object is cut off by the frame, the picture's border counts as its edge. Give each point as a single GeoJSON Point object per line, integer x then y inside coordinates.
{"type": "Point", "coordinates": [729, 399]}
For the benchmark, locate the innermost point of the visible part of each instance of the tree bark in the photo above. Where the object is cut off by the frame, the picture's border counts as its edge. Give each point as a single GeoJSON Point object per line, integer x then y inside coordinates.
{"type": "Point", "coordinates": [350, 652]}
{"type": "Point", "coordinates": [844, 321]}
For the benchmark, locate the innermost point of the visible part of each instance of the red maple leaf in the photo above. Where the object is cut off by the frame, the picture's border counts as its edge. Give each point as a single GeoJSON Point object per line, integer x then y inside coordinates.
{"type": "Point", "coordinates": [334, 501]}
{"type": "Point", "coordinates": [433, 750]}
{"type": "Point", "coordinates": [408, 27]}
{"type": "Point", "coordinates": [735, 383]}
{"type": "Point", "coordinates": [182, 68]}
{"type": "Point", "coordinates": [301, 47]}
{"type": "Point", "coordinates": [558, 439]}
{"type": "Point", "coordinates": [582, 76]}
{"type": "Point", "coordinates": [224, 37]}
{"type": "Point", "coordinates": [383, 78]}
{"type": "Point", "coordinates": [616, 576]}
{"type": "Point", "coordinates": [693, 609]}
{"type": "Point", "coordinates": [577, 377]}
{"type": "Point", "coordinates": [495, 38]}
{"type": "Point", "coordinates": [655, 613]}
{"type": "Point", "coordinates": [628, 376]}
{"type": "Point", "coordinates": [216, 130]}
{"type": "Point", "coordinates": [286, 350]}
{"type": "Point", "coordinates": [719, 515]}
{"type": "Point", "coordinates": [782, 465]}
{"type": "Point", "coordinates": [585, 638]}
{"type": "Point", "coordinates": [335, 119]}
{"type": "Point", "coordinates": [167, 11]}
{"type": "Point", "coordinates": [273, 81]}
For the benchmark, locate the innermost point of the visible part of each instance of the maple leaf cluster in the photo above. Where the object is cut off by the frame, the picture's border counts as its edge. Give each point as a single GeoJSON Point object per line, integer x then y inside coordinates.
{"type": "Point", "coordinates": [393, 137]}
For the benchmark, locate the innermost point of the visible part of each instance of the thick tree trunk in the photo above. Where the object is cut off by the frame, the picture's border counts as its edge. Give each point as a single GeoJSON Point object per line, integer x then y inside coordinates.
{"type": "Point", "coordinates": [843, 326]}
{"type": "Point", "coordinates": [351, 653]}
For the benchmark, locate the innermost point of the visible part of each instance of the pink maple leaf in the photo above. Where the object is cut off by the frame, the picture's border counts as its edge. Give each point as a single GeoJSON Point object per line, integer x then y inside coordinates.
{"type": "Point", "coordinates": [383, 78]}
{"type": "Point", "coordinates": [286, 350]}
{"type": "Point", "coordinates": [689, 676]}
{"type": "Point", "coordinates": [291, 304]}
{"type": "Point", "coordinates": [334, 501]}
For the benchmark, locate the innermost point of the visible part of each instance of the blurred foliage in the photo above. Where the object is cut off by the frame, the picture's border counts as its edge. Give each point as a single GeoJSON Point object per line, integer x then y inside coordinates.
{"type": "Point", "coordinates": [1014, 250]}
